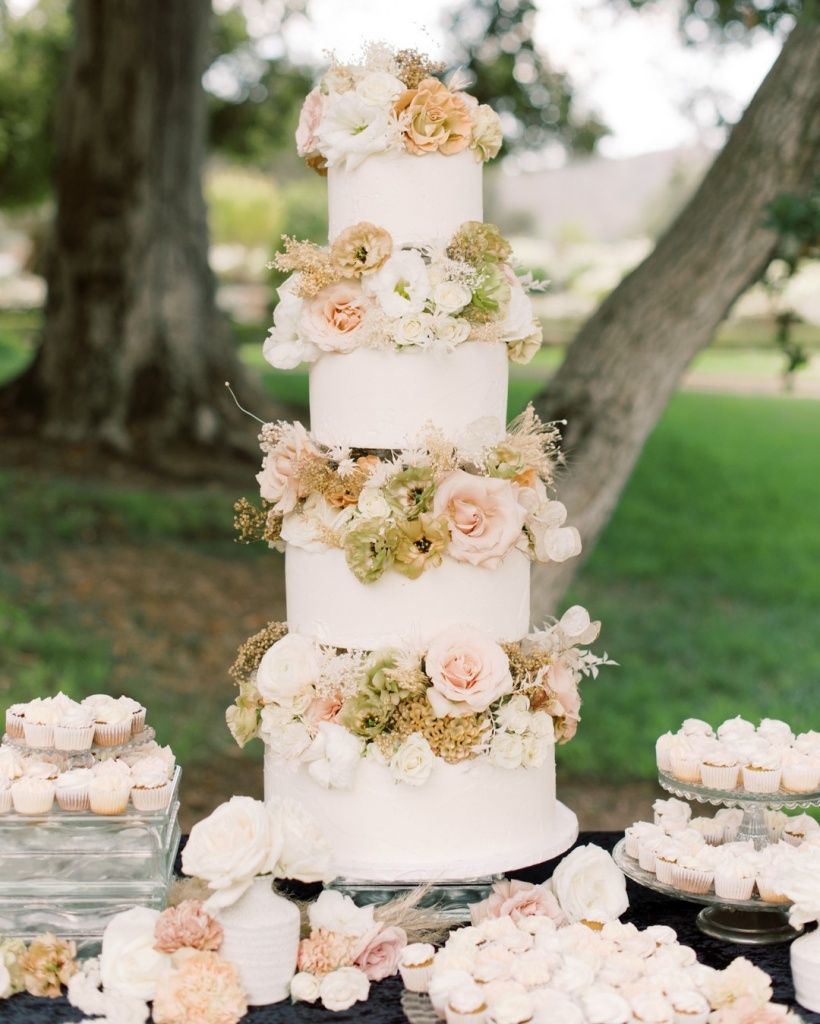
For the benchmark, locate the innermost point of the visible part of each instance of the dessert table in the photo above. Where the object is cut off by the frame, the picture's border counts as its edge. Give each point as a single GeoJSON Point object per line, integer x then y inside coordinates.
{"type": "Point", "coordinates": [384, 1006]}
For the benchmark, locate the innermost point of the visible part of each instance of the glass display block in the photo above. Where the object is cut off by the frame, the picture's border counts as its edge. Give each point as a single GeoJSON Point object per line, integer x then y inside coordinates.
{"type": "Point", "coordinates": [71, 872]}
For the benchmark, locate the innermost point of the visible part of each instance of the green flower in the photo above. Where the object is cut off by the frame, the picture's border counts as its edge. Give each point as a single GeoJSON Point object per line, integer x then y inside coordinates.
{"type": "Point", "coordinates": [385, 685]}
{"type": "Point", "coordinates": [478, 243]}
{"type": "Point", "coordinates": [411, 491]}
{"type": "Point", "coordinates": [11, 950]}
{"type": "Point", "coordinates": [506, 461]}
{"type": "Point", "coordinates": [369, 548]}
{"type": "Point", "coordinates": [422, 542]}
{"type": "Point", "coordinates": [364, 716]}
{"type": "Point", "coordinates": [243, 715]}
{"type": "Point", "coordinates": [492, 294]}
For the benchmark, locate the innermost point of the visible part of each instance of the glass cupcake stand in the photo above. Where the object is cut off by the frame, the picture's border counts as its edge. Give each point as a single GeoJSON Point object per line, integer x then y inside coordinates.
{"type": "Point", "coordinates": [750, 922]}
{"type": "Point", "coordinates": [70, 872]}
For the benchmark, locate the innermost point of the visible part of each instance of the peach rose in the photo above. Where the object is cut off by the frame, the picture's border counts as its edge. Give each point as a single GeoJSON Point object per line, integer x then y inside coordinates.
{"type": "Point", "coordinates": [189, 925]}
{"type": "Point", "coordinates": [565, 705]}
{"type": "Point", "coordinates": [517, 899]}
{"type": "Point", "coordinates": [205, 990]}
{"type": "Point", "coordinates": [277, 481]}
{"type": "Point", "coordinates": [468, 671]}
{"type": "Point", "coordinates": [434, 119]}
{"type": "Point", "coordinates": [380, 957]}
{"type": "Point", "coordinates": [307, 144]}
{"type": "Point", "coordinates": [321, 709]}
{"type": "Point", "coordinates": [332, 318]}
{"type": "Point", "coordinates": [484, 517]}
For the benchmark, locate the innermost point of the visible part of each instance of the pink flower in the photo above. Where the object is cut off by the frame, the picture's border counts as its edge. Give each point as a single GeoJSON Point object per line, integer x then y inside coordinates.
{"type": "Point", "coordinates": [332, 318]}
{"type": "Point", "coordinates": [748, 1010]}
{"type": "Point", "coordinates": [565, 705]}
{"type": "Point", "coordinates": [380, 957]}
{"type": "Point", "coordinates": [518, 899]}
{"type": "Point", "coordinates": [309, 118]}
{"type": "Point", "coordinates": [205, 990]}
{"type": "Point", "coordinates": [321, 709]}
{"type": "Point", "coordinates": [324, 951]}
{"type": "Point", "coordinates": [483, 515]}
{"type": "Point", "coordinates": [278, 479]}
{"type": "Point", "coordinates": [187, 925]}
{"type": "Point", "coordinates": [467, 670]}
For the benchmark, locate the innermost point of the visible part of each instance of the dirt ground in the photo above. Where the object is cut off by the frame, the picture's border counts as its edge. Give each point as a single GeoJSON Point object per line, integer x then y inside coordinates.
{"type": "Point", "coordinates": [180, 615]}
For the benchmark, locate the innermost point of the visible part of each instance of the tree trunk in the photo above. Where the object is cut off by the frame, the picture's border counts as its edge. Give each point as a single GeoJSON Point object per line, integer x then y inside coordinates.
{"type": "Point", "coordinates": [135, 353]}
{"type": "Point", "coordinates": [627, 360]}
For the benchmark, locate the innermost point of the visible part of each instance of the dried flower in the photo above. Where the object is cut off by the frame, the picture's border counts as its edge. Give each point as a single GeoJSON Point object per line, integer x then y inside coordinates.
{"type": "Point", "coordinates": [311, 262]}
{"type": "Point", "coordinates": [369, 548]}
{"type": "Point", "coordinates": [433, 119]}
{"type": "Point", "coordinates": [411, 491]}
{"type": "Point", "coordinates": [205, 990]}
{"type": "Point", "coordinates": [361, 249]}
{"type": "Point", "coordinates": [189, 925]}
{"type": "Point", "coordinates": [413, 67]}
{"type": "Point", "coordinates": [47, 965]}
{"type": "Point", "coordinates": [422, 542]}
{"type": "Point", "coordinates": [253, 649]}
{"type": "Point", "coordinates": [478, 243]}
{"type": "Point", "coordinates": [364, 715]}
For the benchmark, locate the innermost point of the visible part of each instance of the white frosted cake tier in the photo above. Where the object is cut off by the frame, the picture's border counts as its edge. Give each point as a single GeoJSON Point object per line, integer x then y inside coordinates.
{"type": "Point", "coordinates": [326, 601]}
{"type": "Point", "coordinates": [380, 398]}
{"type": "Point", "coordinates": [415, 198]}
{"type": "Point", "coordinates": [466, 820]}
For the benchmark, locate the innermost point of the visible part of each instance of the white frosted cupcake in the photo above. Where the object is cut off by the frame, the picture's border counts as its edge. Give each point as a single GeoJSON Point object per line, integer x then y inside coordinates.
{"type": "Point", "coordinates": [510, 1008]}
{"type": "Point", "coordinates": [416, 965]}
{"type": "Point", "coordinates": [671, 814]}
{"type": "Point", "coordinates": [798, 828]}
{"type": "Point", "coordinates": [690, 1006]}
{"type": "Point", "coordinates": [150, 786]}
{"type": "Point", "coordinates": [735, 729]}
{"type": "Point", "coordinates": [734, 879]}
{"type": "Point", "coordinates": [71, 789]}
{"type": "Point", "coordinates": [648, 848]}
{"type": "Point", "coordinates": [685, 764]}
{"type": "Point", "coordinates": [137, 712]}
{"type": "Point", "coordinates": [775, 820]}
{"type": "Point", "coordinates": [74, 729]}
{"type": "Point", "coordinates": [15, 721]}
{"type": "Point", "coordinates": [108, 794]}
{"type": "Point", "coordinates": [666, 857]}
{"type": "Point", "coordinates": [710, 828]}
{"type": "Point", "coordinates": [762, 774]}
{"type": "Point", "coordinates": [637, 831]}
{"type": "Point", "coordinates": [769, 886]}
{"type": "Point", "coordinates": [730, 819]}
{"type": "Point", "coordinates": [466, 1005]}
{"type": "Point", "coordinates": [112, 724]}
{"type": "Point", "coordinates": [801, 773]}
{"type": "Point", "coordinates": [38, 725]}
{"type": "Point", "coordinates": [32, 795]}
{"type": "Point", "coordinates": [5, 795]}
{"type": "Point", "coordinates": [663, 750]}
{"type": "Point", "coordinates": [775, 731]}
{"type": "Point", "coordinates": [697, 727]}
{"type": "Point", "coordinates": [719, 769]}
{"type": "Point", "coordinates": [652, 1009]}
{"type": "Point", "coordinates": [694, 873]}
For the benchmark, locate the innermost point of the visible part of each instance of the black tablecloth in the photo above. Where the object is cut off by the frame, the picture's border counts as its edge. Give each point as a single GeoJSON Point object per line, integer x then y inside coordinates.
{"type": "Point", "coordinates": [384, 1007]}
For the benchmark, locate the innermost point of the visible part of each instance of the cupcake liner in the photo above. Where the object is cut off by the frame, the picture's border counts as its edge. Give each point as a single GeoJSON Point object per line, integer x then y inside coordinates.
{"type": "Point", "coordinates": [646, 859]}
{"type": "Point", "coordinates": [800, 780]}
{"type": "Point", "coordinates": [112, 735]}
{"type": "Point", "coordinates": [28, 801]}
{"type": "Point", "coordinates": [73, 737]}
{"type": "Point", "coordinates": [416, 979]}
{"type": "Point", "coordinates": [39, 736]}
{"type": "Point", "coordinates": [15, 725]}
{"type": "Point", "coordinates": [5, 801]}
{"type": "Point", "coordinates": [692, 880]}
{"type": "Point", "coordinates": [73, 799]}
{"type": "Point", "coordinates": [766, 780]}
{"type": "Point", "coordinates": [663, 870]}
{"type": "Point", "coordinates": [730, 833]}
{"type": "Point", "coordinates": [734, 888]}
{"type": "Point", "coordinates": [720, 776]}
{"type": "Point", "coordinates": [155, 799]}
{"type": "Point", "coordinates": [631, 845]}
{"type": "Point", "coordinates": [686, 769]}
{"type": "Point", "coordinates": [109, 801]}
{"type": "Point", "coordinates": [792, 840]}
{"type": "Point", "coordinates": [138, 722]}
{"type": "Point", "coordinates": [769, 894]}
{"type": "Point", "coordinates": [459, 1017]}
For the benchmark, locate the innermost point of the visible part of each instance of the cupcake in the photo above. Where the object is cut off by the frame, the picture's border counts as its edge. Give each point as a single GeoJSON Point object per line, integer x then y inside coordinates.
{"type": "Point", "coordinates": [769, 886]}
{"type": "Point", "coordinates": [801, 773]}
{"type": "Point", "coordinates": [510, 1008]}
{"type": "Point", "coordinates": [734, 879]}
{"type": "Point", "coordinates": [666, 856]}
{"type": "Point", "coordinates": [603, 1005]}
{"type": "Point", "coordinates": [466, 1005]}
{"type": "Point", "coordinates": [735, 729]}
{"type": "Point", "coordinates": [11, 764]}
{"type": "Point", "coordinates": [38, 725]}
{"type": "Point", "coordinates": [690, 1006]}
{"type": "Point", "coordinates": [798, 828]}
{"type": "Point", "coordinates": [775, 820]}
{"type": "Point", "coordinates": [730, 819]}
{"type": "Point", "coordinates": [108, 794]}
{"type": "Point", "coordinates": [137, 714]}
{"type": "Point", "coordinates": [71, 789]}
{"type": "Point", "coordinates": [74, 729]}
{"type": "Point", "coordinates": [671, 814]}
{"type": "Point", "coordinates": [696, 727]}
{"type": "Point", "coordinates": [719, 769]}
{"type": "Point", "coordinates": [112, 724]}
{"type": "Point", "coordinates": [663, 749]}
{"type": "Point", "coordinates": [710, 828]}
{"type": "Point", "coordinates": [652, 1009]}
{"type": "Point", "coordinates": [775, 731]}
{"type": "Point", "coordinates": [15, 721]}
{"type": "Point", "coordinates": [416, 965]}
{"type": "Point", "coordinates": [637, 831]}
{"type": "Point", "coordinates": [685, 760]}
{"type": "Point", "coordinates": [5, 795]}
{"type": "Point", "coordinates": [32, 795]}
{"type": "Point", "coordinates": [762, 774]}
{"type": "Point", "coordinates": [694, 873]}
{"type": "Point", "coordinates": [150, 786]}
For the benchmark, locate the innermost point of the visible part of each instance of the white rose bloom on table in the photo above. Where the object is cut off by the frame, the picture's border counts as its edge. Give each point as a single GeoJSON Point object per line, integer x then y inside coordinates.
{"type": "Point", "coordinates": [343, 987]}
{"type": "Point", "coordinates": [333, 756]}
{"type": "Point", "coordinates": [238, 841]}
{"type": "Point", "coordinates": [335, 912]}
{"type": "Point", "coordinates": [287, 669]}
{"type": "Point", "coordinates": [129, 964]}
{"type": "Point", "coordinates": [304, 987]}
{"type": "Point", "coordinates": [590, 886]}
{"type": "Point", "coordinates": [413, 761]}
{"type": "Point", "coordinates": [306, 854]}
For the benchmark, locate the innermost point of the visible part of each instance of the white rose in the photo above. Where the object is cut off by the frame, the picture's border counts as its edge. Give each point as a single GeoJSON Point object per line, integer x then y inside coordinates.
{"type": "Point", "coordinates": [5, 981]}
{"type": "Point", "coordinates": [351, 129]}
{"type": "Point", "coordinates": [129, 964]}
{"type": "Point", "coordinates": [380, 88]}
{"type": "Point", "coordinates": [413, 761]}
{"type": "Point", "coordinates": [402, 285]}
{"type": "Point", "coordinates": [519, 323]}
{"type": "Point", "coordinates": [590, 886]}
{"type": "Point", "coordinates": [450, 331]}
{"type": "Point", "coordinates": [340, 989]}
{"type": "Point", "coordinates": [372, 504]}
{"type": "Point", "coordinates": [515, 715]}
{"type": "Point", "coordinates": [285, 347]}
{"type": "Point", "coordinates": [541, 724]}
{"type": "Point", "coordinates": [287, 669]}
{"type": "Point", "coordinates": [286, 742]}
{"type": "Point", "coordinates": [535, 750]}
{"type": "Point", "coordinates": [413, 330]}
{"type": "Point", "coordinates": [333, 756]}
{"type": "Point", "coordinates": [336, 912]}
{"type": "Point", "coordinates": [304, 987]}
{"type": "Point", "coordinates": [506, 750]}
{"type": "Point", "coordinates": [306, 854]}
{"type": "Point", "coordinates": [451, 296]}
{"type": "Point", "coordinates": [486, 135]}
{"type": "Point", "coordinates": [238, 841]}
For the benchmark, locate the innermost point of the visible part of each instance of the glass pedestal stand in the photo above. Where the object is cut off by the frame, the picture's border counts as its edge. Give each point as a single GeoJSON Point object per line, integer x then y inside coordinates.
{"type": "Point", "coordinates": [452, 897]}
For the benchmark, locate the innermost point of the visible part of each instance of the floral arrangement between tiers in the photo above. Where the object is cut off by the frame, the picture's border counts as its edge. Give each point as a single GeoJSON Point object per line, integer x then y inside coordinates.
{"type": "Point", "coordinates": [474, 500]}
{"type": "Point", "coordinates": [464, 697]}
{"type": "Point", "coordinates": [390, 102]}
{"type": "Point", "coordinates": [363, 292]}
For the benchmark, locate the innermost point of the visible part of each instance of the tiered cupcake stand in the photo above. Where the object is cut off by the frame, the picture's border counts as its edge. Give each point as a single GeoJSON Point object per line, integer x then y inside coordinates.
{"type": "Point", "coordinates": [751, 922]}
{"type": "Point", "coordinates": [70, 872]}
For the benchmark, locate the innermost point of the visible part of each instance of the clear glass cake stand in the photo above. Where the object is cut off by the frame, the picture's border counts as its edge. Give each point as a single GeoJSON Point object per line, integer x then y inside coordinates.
{"type": "Point", "coordinates": [750, 922]}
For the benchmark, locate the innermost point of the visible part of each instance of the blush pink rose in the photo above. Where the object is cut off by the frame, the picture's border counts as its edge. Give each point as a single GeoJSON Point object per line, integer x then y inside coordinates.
{"type": "Point", "coordinates": [518, 899]}
{"type": "Point", "coordinates": [380, 957]}
{"type": "Point", "coordinates": [307, 144]}
{"type": "Point", "coordinates": [565, 705]}
{"type": "Point", "coordinates": [483, 514]}
{"type": "Point", "coordinates": [277, 481]}
{"type": "Point", "coordinates": [466, 668]}
{"type": "Point", "coordinates": [334, 316]}
{"type": "Point", "coordinates": [321, 709]}
{"type": "Point", "coordinates": [187, 925]}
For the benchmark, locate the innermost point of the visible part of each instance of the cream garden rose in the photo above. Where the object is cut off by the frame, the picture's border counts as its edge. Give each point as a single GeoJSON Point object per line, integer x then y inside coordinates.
{"type": "Point", "coordinates": [413, 761]}
{"type": "Point", "coordinates": [468, 671]}
{"type": "Point", "coordinates": [130, 966]}
{"type": "Point", "coordinates": [484, 517]}
{"type": "Point", "coordinates": [590, 886]}
{"type": "Point", "coordinates": [334, 316]}
{"type": "Point", "coordinates": [287, 669]}
{"type": "Point", "coordinates": [340, 989]}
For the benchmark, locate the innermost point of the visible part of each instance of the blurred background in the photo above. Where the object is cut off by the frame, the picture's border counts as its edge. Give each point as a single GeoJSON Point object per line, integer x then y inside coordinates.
{"type": "Point", "coordinates": [118, 569]}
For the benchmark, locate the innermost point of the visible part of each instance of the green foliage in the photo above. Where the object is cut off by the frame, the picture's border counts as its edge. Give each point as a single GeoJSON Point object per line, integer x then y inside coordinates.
{"type": "Point", "coordinates": [493, 41]}
{"type": "Point", "coordinates": [33, 51]}
{"type": "Point", "coordinates": [732, 20]}
{"type": "Point", "coordinates": [244, 207]}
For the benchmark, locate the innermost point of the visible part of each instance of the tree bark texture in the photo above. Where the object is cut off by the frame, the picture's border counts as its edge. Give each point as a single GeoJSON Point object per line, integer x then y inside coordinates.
{"type": "Point", "coordinates": [627, 360]}
{"type": "Point", "coordinates": [134, 352]}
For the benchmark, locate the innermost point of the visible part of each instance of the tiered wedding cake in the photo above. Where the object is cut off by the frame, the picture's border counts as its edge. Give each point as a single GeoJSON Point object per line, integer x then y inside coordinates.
{"type": "Point", "coordinates": [405, 704]}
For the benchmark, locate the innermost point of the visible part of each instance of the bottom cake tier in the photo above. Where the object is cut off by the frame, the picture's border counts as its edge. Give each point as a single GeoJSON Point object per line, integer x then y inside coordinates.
{"type": "Point", "coordinates": [467, 820]}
